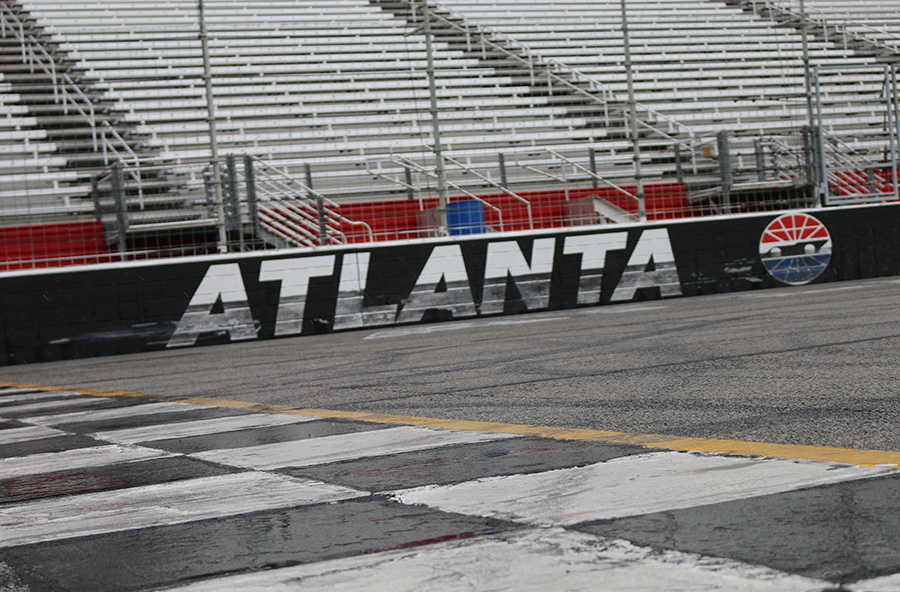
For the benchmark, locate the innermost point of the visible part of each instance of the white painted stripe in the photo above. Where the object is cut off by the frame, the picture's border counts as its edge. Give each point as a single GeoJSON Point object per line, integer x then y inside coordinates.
{"type": "Point", "coordinates": [329, 449]}
{"type": "Point", "coordinates": [629, 486]}
{"type": "Point", "coordinates": [72, 403]}
{"type": "Point", "coordinates": [114, 413]}
{"type": "Point", "coordinates": [31, 396]}
{"type": "Point", "coordinates": [201, 427]}
{"type": "Point", "coordinates": [28, 433]}
{"type": "Point", "coordinates": [79, 458]}
{"type": "Point", "coordinates": [530, 561]}
{"type": "Point", "coordinates": [884, 584]}
{"type": "Point", "coordinates": [14, 391]}
{"type": "Point", "coordinates": [161, 504]}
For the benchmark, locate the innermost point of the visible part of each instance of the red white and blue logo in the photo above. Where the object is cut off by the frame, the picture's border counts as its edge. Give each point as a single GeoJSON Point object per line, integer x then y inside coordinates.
{"type": "Point", "coordinates": [795, 248]}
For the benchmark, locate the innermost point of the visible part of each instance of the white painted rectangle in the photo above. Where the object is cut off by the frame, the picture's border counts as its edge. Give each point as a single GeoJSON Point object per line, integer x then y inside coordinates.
{"type": "Point", "coordinates": [161, 504]}
{"type": "Point", "coordinates": [341, 447]}
{"type": "Point", "coordinates": [32, 396]}
{"type": "Point", "coordinates": [79, 458]}
{"type": "Point", "coordinates": [534, 560]}
{"type": "Point", "coordinates": [115, 413]}
{"type": "Point", "coordinates": [28, 433]}
{"type": "Point", "coordinates": [71, 403]}
{"type": "Point", "coordinates": [200, 427]}
{"type": "Point", "coordinates": [629, 486]}
{"type": "Point", "coordinates": [14, 391]}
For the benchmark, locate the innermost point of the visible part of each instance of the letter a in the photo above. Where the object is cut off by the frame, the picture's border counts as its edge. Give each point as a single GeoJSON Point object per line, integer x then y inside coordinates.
{"type": "Point", "coordinates": [222, 283]}
{"type": "Point", "coordinates": [653, 246]}
{"type": "Point", "coordinates": [442, 285]}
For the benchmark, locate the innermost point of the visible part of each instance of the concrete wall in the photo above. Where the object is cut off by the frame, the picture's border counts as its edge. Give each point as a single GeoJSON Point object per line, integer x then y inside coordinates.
{"type": "Point", "coordinates": [140, 306]}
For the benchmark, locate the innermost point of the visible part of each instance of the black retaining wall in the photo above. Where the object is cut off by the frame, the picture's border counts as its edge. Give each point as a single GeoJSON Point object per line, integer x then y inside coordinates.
{"type": "Point", "coordinates": [141, 306]}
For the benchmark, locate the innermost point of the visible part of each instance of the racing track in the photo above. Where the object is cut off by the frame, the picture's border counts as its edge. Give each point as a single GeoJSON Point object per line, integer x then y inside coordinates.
{"type": "Point", "coordinates": [812, 365]}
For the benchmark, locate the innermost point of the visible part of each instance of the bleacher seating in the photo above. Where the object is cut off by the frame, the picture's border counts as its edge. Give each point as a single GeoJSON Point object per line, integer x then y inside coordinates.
{"type": "Point", "coordinates": [293, 81]}
{"type": "Point", "coordinates": [711, 65]}
{"type": "Point", "coordinates": [877, 20]}
{"type": "Point", "coordinates": [341, 87]}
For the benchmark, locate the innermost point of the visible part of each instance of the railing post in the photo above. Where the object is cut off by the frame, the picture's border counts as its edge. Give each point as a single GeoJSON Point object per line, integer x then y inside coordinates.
{"type": "Point", "coordinates": [502, 160]}
{"type": "Point", "coordinates": [407, 175]}
{"type": "Point", "coordinates": [679, 171]}
{"type": "Point", "coordinates": [210, 194]}
{"type": "Point", "coordinates": [323, 229]}
{"type": "Point", "coordinates": [95, 196]}
{"type": "Point", "coordinates": [592, 159]}
{"type": "Point", "coordinates": [760, 161]}
{"type": "Point", "coordinates": [320, 206]}
{"type": "Point", "coordinates": [250, 182]}
{"type": "Point", "coordinates": [725, 171]}
{"type": "Point", "coordinates": [118, 184]}
{"type": "Point", "coordinates": [233, 203]}
{"type": "Point", "coordinates": [809, 156]}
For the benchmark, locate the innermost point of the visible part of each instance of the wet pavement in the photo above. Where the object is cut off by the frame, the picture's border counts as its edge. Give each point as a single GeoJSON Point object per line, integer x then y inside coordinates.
{"type": "Point", "coordinates": [118, 493]}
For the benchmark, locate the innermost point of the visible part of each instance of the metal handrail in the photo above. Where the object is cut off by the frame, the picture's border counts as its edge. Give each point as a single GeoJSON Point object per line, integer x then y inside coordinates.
{"type": "Point", "coordinates": [65, 90]}
{"type": "Point", "coordinates": [133, 169]}
{"type": "Point", "coordinates": [284, 180]}
{"type": "Point", "coordinates": [592, 174]}
{"type": "Point", "coordinates": [405, 162]}
{"type": "Point", "coordinates": [495, 184]}
{"type": "Point", "coordinates": [826, 20]}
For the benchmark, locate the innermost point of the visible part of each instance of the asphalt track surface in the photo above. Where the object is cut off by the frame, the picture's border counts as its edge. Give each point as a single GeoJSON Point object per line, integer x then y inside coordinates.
{"type": "Point", "coordinates": [812, 365]}
{"type": "Point", "coordinates": [733, 442]}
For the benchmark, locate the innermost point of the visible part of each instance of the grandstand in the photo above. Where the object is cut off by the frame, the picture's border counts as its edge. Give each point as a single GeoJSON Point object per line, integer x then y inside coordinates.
{"type": "Point", "coordinates": [324, 109]}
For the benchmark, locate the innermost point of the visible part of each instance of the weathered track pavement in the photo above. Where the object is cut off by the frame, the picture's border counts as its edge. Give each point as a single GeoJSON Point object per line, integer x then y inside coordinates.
{"type": "Point", "coordinates": [132, 492]}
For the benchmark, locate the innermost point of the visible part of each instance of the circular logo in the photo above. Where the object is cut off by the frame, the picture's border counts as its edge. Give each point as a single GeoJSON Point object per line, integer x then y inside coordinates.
{"type": "Point", "coordinates": [795, 248]}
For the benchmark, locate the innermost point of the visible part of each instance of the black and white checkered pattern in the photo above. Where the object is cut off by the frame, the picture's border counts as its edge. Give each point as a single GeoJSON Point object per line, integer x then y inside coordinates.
{"type": "Point", "coordinates": [118, 493]}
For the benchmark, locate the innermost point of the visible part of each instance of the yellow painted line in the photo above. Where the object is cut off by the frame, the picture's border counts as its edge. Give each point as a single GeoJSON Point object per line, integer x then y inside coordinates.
{"type": "Point", "coordinates": [849, 456]}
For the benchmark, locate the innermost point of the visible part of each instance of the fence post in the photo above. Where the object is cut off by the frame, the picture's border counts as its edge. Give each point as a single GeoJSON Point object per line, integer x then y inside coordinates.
{"type": "Point", "coordinates": [95, 196]}
{"type": "Point", "coordinates": [725, 169]}
{"type": "Point", "coordinates": [809, 161]}
{"type": "Point", "coordinates": [320, 206]}
{"type": "Point", "coordinates": [679, 171]}
{"type": "Point", "coordinates": [760, 161]}
{"type": "Point", "coordinates": [592, 159]}
{"type": "Point", "coordinates": [323, 229]}
{"type": "Point", "coordinates": [210, 196]}
{"type": "Point", "coordinates": [118, 184]}
{"type": "Point", "coordinates": [407, 175]}
{"type": "Point", "coordinates": [233, 200]}
{"type": "Point", "coordinates": [252, 208]}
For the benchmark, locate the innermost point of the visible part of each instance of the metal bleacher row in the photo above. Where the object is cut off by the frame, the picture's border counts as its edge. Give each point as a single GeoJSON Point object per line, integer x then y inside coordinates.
{"type": "Point", "coordinates": [712, 65]}
{"type": "Point", "coordinates": [341, 87]}
{"type": "Point", "coordinates": [875, 20]}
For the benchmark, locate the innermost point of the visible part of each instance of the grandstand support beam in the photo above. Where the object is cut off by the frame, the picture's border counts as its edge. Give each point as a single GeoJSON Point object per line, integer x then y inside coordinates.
{"type": "Point", "coordinates": [211, 121]}
{"type": "Point", "coordinates": [632, 111]}
{"type": "Point", "coordinates": [435, 123]}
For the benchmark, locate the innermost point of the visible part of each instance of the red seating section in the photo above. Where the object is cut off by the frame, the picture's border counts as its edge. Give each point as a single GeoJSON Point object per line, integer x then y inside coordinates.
{"type": "Point", "coordinates": [397, 219]}
{"type": "Point", "coordinates": [52, 245]}
{"type": "Point", "coordinates": [71, 243]}
{"type": "Point", "coordinates": [854, 183]}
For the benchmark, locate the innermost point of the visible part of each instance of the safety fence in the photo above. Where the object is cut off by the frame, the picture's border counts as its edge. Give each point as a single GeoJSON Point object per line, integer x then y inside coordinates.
{"type": "Point", "coordinates": [171, 211]}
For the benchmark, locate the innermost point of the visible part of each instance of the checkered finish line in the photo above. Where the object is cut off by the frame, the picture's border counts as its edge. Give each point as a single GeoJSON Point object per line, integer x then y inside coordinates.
{"type": "Point", "coordinates": [126, 493]}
